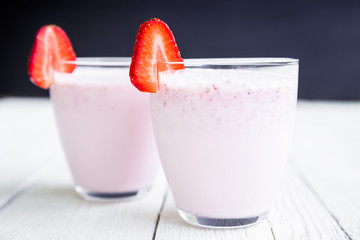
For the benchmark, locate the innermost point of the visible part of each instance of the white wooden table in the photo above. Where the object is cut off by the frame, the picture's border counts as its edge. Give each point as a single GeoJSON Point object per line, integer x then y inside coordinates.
{"type": "Point", "coordinates": [320, 197]}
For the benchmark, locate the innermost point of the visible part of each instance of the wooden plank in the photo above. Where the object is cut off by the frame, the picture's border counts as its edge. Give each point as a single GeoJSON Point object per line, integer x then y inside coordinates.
{"type": "Point", "coordinates": [28, 142]}
{"type": "Point", "coordinates": [297, 214]}
{"type": "Point", "coordinates": [326, 152]}
{"type": "Point", "coordinates": [50, 209]}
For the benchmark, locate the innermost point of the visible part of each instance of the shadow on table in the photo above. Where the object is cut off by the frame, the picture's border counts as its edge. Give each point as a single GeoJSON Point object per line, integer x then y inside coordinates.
{"type": "Point", "coordinates": [63, 198]}
{"type": "Point", "coordinates": [170, 216]}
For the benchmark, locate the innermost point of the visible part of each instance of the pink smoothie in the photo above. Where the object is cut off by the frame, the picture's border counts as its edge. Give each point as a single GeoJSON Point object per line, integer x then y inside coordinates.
{"type": "Point", "coordinates": [224, 136]}
{"type": "Point", "coordinates": [105, 128]}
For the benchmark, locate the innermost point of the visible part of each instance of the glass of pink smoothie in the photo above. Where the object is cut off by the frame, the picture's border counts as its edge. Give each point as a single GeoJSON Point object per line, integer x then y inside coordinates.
{"type": "Point", "coordinates": [105, 129]}
{"type": "Point", "coordinates": [223, 128]}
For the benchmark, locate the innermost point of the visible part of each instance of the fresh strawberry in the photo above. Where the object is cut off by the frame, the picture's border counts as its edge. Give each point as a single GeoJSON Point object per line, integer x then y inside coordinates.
{"type": "Point", "coordinates": [154, 43]}
{"type": "Point", "coordinates": [51, 47]}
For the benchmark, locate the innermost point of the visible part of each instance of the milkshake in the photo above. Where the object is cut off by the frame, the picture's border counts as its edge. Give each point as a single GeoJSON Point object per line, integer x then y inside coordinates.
{"type": "Point", "coordinates": [105, 128]}
{"type": "Point", "coordinates": [223, 129]}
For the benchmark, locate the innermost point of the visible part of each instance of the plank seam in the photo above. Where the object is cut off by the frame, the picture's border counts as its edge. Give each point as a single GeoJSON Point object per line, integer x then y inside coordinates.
{"type": "Point", "coordinates": [26, 185]}
{"type": "Point", "coordinates": [317, 196]}
{"type": "Point", "coordinates": [160, 212]}
{"type": "Point", "coordinates": [16, 195]}
{"type": "Point", "coordinates": [272, 231]}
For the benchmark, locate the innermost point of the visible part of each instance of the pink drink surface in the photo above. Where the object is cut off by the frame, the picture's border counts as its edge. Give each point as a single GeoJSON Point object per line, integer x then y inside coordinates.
{"type": "Point", "coordinates": [105, 128]}
{"type": "Point", "coordinates": [224, 137]}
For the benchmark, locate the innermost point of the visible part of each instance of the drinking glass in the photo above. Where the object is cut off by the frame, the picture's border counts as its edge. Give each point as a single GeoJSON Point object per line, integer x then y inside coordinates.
{"type": "Point", "coordinates": [105, 129]}
{"type": "Point", "coordinates": [223, 129]}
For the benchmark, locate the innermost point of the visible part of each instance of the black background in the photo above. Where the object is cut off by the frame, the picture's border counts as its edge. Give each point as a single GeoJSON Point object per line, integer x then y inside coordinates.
{"type": "Point", "coordinates": [324, 35]}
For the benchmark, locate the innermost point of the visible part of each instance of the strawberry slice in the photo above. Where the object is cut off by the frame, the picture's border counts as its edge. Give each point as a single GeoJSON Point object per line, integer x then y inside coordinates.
{"type": "Point", "coordinates": [154, 43]}
{"type": "Point", "coordinates": [51, 47]}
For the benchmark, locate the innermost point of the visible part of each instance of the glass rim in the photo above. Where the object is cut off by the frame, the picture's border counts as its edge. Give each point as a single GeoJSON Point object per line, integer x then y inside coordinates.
{"type": "Point", "coordinates": [250, 61]}
{"type": "Point", "coordinates": [125, 61]}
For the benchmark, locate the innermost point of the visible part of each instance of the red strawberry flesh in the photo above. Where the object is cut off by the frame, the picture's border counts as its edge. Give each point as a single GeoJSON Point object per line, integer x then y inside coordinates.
{"type": "Point", "coordinates": [50, 49]}
{"type": "Point", "coordinates": [154, 43]}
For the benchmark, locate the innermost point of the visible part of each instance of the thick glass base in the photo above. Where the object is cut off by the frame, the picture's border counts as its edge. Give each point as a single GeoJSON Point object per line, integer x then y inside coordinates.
{"type": "Point", "coordinates": [220, 222]}
{"type": "Point", "coordinates": [110, 196]}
